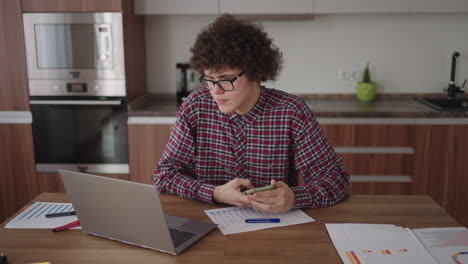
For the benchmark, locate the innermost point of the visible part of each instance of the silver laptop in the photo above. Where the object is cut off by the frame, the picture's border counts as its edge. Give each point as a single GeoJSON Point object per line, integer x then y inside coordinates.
{"type": "Point", "coordinates": [129, 212]}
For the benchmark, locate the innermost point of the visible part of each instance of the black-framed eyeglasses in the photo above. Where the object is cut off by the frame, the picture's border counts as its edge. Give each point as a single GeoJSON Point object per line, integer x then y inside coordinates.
{"type": "Point", "coordinates": [225, 85]}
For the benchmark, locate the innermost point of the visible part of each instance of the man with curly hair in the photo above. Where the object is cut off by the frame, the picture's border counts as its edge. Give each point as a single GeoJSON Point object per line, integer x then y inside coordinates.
{"type": "Point", "coordinates": [234, 134]}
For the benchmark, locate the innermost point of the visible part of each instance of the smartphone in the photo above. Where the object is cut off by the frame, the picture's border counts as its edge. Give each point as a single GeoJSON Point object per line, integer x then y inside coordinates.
{"type": "Point", "coordinates": [259, 189]}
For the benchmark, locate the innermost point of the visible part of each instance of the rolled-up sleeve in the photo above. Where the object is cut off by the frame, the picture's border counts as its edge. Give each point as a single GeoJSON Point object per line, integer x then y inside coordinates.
{"type": "Point", "coordinates": [326, 182]}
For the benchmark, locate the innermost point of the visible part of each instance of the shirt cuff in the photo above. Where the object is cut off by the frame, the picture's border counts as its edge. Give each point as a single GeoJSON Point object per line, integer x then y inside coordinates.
{"type": "Point", "coordinates": [205, 193]}
{"type": "Point", "coordinates": [303, 198]}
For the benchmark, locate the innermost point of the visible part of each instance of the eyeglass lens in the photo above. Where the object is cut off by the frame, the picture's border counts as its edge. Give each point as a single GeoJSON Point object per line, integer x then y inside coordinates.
{"type": "Point", "coordinates": [225, 85]}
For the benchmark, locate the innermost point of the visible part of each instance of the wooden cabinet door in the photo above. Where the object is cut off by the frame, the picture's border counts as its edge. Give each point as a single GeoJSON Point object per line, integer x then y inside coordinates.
{"type": "Point", "coordinates": [14, 94]}
{"type": "Point", "coordinates": [379, 158]}
{"type": "Point", "coordinates": [146, 145]}
{"type": "Point", "coordinates": [134, 48]}
{"type": "Point", "coordinates": [18, 182]}
{"type": "Point", "coordinates": [457, 175]}
{"type": "Point", "coordinates": [380, 188]}
{"type": "Point", "coordinates": [361, 6]}
{"type": "Point", "coordinates": [368, 135]}
{"type": "Point", "coordinates": [440, 167]}
{"type": "Point", "coordinates": [72, 5]}
{"type": "Point", "coordinates": [432, 145]}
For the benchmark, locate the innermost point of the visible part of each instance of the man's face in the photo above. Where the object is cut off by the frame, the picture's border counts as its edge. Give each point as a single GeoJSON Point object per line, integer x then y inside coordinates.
{"type": "Point", "coordinates": [240, 100]}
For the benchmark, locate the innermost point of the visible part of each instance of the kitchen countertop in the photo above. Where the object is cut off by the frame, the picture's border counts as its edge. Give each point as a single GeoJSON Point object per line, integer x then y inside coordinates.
{"type": "Point", "coordinates": [385, 106]}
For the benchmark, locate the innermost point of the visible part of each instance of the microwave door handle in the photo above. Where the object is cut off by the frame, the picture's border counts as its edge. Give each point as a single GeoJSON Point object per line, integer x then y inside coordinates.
{"type": "Point", "coordinates": [75, 102]}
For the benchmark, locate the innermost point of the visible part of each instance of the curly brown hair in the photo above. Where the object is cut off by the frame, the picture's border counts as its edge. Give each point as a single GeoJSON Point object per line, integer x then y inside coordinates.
{"type": "Point", "coordinates": [236, 43]}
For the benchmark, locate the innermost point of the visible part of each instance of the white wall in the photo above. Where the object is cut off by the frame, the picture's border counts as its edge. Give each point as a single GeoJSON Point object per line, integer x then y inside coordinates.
{"type": "Point", "coordinates": [408, 53]}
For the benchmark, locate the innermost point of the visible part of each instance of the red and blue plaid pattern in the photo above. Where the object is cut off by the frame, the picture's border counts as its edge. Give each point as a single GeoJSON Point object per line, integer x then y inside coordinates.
{"type": "Point", "coordinates": [277, 138]}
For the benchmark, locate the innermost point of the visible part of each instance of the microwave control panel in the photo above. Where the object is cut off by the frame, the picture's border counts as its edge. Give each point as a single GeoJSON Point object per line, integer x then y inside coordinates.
{"type": "Point", "coordinates": [104, 46]}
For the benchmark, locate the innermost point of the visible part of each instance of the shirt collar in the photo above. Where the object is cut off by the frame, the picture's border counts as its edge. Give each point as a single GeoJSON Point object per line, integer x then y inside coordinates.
{"type": "Point", "coordinates": [255, 111]}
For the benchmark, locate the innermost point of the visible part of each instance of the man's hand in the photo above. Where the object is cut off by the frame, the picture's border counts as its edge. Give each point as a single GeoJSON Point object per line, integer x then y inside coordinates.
{"type": "Point", "coordinates": [280, 199]}
{"type": "Point", "coordinates": [229, 193]}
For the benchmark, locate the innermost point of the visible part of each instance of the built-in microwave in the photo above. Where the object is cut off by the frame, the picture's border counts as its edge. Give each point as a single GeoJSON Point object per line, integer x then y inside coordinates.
{"type": "Point", "coordinates": [75, 54]}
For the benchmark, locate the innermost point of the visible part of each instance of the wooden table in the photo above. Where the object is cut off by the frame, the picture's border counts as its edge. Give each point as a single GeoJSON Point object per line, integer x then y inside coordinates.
{"type": "Point", "coordinates": [305, 243]}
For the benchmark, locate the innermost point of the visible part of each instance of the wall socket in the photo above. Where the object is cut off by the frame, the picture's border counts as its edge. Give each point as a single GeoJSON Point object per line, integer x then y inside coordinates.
{"type": "Point", "coordinates": [350, 75]}
{"type": "Point", "coordinates": [344, 75]}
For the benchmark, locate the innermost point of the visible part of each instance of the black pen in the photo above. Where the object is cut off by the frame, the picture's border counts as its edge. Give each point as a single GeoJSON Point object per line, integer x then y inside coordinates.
{"type": "Point", "coordinates": [60, 214]}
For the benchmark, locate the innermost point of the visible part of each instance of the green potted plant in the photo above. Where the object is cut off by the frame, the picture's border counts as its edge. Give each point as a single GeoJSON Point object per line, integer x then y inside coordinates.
{"type": "Point", "coordinates": [367, 89]}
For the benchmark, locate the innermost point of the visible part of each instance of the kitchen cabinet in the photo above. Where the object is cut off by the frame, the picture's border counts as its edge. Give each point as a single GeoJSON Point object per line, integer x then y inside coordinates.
{"type": "Point", "coordinates": [456, 201]}
{"type": "Point", "coordinates": [146, 145]}
{"type": "Point", "coordinates": [266, 6]}
{"type": "Point", "coordinates": [379, 158]}
{"type": "Point", "coordinates": [207, 7]}
{"type": "Point", "coordinates": [14, 94]}
{"type": "Point", "coordinates": [51, 182]}
{"type": "Point", "coordinates": [18, 182]}
{"type": "Point", "coordinates": [361, 6]}
{"type": "Point", "coordinates": [276, 7]}
{"type": "Point", "coordinates": [438, 6]}
{"type": "Point", "coordinates": [176, 7]}
{"type": "Point", "coordinates": [389, 6]}
{"type": "Point", "coordinates": [426, 159]}
{"type": "Point", "coordinates": [134, 48]}
{"type": "Point", "coordinates": [440, 167]}
{"type": "Point", "coordinates": [72, 5]}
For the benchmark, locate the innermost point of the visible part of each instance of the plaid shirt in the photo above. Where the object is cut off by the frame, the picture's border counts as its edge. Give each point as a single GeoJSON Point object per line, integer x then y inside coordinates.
{"type": "Point", "coordinates": [277, 138]}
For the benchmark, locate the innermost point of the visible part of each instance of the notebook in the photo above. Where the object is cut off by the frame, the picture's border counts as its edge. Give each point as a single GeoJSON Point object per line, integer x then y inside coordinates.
{"type": "Point", "coordinates": [129, 212]}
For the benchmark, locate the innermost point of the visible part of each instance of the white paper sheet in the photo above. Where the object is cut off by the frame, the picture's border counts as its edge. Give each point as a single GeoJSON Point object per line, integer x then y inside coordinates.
{"type": "Point", "coordinates": [446, 245]}
{"type": "Point", "coordinates": [231, 220]}
{"type": "Point", "coordinates": [34, 216]}
{"type": "Point", "coordinates": [373, 243]}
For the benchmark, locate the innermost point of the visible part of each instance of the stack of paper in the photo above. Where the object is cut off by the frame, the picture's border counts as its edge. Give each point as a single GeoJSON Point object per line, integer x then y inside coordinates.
{"type": "Point", "coordinates": [231, 220]}
{"type": "Point", "coordinates": [446, 245]}
{"type": "Point", "coordinates": [34, 216]}
{"type": "Point", "coordinates": [377, 243]}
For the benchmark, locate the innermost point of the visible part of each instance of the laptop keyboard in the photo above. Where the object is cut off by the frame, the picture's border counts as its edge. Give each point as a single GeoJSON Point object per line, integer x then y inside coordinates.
{"type": "Point", "coordinates": [179, 236]}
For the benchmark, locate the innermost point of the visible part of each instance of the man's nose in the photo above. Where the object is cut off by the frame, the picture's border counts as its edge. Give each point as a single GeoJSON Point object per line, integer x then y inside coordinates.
{"type": "Point", "coordinates": [217, 89]}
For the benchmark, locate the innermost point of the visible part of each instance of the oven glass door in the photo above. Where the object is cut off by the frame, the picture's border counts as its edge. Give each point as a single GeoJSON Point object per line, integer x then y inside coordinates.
{"type": "Point", "coordinates": [80, 132]}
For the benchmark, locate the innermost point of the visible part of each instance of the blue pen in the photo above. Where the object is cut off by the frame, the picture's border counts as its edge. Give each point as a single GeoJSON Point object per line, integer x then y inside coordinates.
{"type": "Point", "coordinates": [262, 220]}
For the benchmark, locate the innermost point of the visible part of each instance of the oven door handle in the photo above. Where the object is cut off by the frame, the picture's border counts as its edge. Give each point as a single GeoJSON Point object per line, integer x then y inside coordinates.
{"type": "Point", "coordinates": [75, 102]}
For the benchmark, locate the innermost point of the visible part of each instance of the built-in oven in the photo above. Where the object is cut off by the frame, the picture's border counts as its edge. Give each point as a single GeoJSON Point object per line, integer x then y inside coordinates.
{"type": "Point", "coordinates": [77, 91]}
{"type": "Point", "coordinates": [86, 134]}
